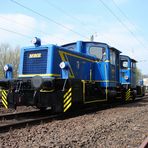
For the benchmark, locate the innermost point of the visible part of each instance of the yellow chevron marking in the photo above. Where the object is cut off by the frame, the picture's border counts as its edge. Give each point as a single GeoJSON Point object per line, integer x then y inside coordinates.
{"type": "Point", "coordinates": [3, 91]}
{"type": "Point", "coordinates": [4, 97]}
{"type": "Point", "coordinates": [128, 95]}
{"type": "Point", "coordinates": [4, 104]}
{"type": "Point", "coordinates": [70, 99]}
{"type": "Point", "coordinates": [67, 100]}
{"type": "Point", "coordinates": [67, 97]}
{"type": "Point", "coordinates": [67, 107]}
{"type": "Point", "coordinates": [127, 98]}
{"type": "Point", "coordinates": [67, 92]}
{"type": "Point", "coordinates": [128, 90]}
{"type": "Point", "coordinates": [4, 100]}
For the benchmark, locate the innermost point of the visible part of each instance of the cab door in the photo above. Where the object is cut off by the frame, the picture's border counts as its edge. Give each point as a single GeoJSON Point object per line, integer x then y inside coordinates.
{"type": "Point", "coordinates": [114, 67]}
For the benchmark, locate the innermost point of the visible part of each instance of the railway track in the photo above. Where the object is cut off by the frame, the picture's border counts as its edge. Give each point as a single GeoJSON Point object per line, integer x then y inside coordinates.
{"type": "Point", "coordinates": [144, 143]}
{"type": "Point", "coordinates": [19, 120]}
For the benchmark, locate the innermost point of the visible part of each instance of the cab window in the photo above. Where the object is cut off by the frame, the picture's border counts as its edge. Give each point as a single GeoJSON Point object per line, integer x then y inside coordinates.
{"type": "Point", "coordinates": [133, 65]}
{"type": "Point", "coordinates": [70, 47]}
{"type": "Point", "coordinates": [112, 57]}
{"type": "Point", "coordinates": [99, 52]}
{"type": "Point", "coordinates": [124, 64]}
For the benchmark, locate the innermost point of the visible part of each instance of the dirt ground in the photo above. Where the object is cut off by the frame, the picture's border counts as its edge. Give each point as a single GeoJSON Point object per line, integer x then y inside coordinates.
{"type": "Point", "coordinates": [119, 127]}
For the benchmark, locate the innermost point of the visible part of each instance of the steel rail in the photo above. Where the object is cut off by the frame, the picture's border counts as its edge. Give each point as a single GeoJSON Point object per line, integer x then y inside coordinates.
{"type": "Point", "coordinates": [20, 121]}
{"type": "Point", "coordinates": [13, 115]}
{"type": "Point", "coordinates": [24, 123]}
{"type": "Point", "coordinates": [144, 143]}
{"type": "Point", "coordinates": [36, 117]}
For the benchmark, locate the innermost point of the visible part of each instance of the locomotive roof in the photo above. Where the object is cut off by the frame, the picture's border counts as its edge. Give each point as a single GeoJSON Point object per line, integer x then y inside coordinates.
{"type": "Point", "coordinates": [133, 60]}
{"type": "Point", "coordinates": [113, 48]}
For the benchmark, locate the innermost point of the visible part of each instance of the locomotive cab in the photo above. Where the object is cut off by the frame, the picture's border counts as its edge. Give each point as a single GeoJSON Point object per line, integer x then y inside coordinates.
{"type": "Point", "coordinates": [127, 71]}
{"type": "Point", "coordinates": [103, 73]}
{"type": "Point", "coordinates": [128, 77]}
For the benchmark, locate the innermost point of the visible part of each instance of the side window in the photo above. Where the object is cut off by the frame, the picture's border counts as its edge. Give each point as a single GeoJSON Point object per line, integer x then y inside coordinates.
{"type": "Point", "coordinates": [124, 64]}
{"type": "Point", "coordinates": [99, 52]}
{"type": "Point", "coordinates": [133, 66]}
{"type": "Point", "coordinates": [112, 57]}
{"type": "Point", "coordinates": [70, 47]}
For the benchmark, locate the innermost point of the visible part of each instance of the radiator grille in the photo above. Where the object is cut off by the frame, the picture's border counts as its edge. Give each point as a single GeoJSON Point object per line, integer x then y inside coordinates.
{"type": "Point", "coordinates": [35, 62]}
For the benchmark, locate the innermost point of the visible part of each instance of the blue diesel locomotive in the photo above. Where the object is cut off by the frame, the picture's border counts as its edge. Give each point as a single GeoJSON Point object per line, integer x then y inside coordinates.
{"type": "Point", "coordinates": [59, 77]}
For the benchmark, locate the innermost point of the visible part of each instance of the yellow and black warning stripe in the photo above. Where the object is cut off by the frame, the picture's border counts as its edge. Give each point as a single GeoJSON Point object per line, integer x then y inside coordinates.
{"type": "Point", "coordinates": [67, 102]}
{"type": "Point", "coordinates": [128, 95]}
{"type": "Point", "coordinates": [4, 98]}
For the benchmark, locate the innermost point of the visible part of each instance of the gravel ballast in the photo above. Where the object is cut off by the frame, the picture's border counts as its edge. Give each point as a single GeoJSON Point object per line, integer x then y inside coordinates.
{"type": "Point", "coordinates": [19, 109]}
{"type": "Point", "coordinates": [122, 126]}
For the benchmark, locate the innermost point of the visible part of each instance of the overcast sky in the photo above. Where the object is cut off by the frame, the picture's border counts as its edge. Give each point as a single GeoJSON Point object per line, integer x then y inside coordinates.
{"type": "Point", "coordinates": [119, 23]}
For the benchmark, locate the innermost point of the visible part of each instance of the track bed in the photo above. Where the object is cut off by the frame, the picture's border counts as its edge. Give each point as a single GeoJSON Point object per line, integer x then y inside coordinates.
{"type": "Point", "coordinates": [121, 126]}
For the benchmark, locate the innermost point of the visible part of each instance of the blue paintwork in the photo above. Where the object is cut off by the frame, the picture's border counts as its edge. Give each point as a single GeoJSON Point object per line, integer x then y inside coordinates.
{"type": "Point", "coordinates": [65, 68]}
{"type": "Point", "coordinates": [80, 67]}
{"type": "Point", "coordinates": [9, 72]}
{"type": "Point", "coordinates": [34, 49]}
{"type": "Point", "coordinates": [141, 83]}
{"type": "Point", "coordinates": [83, 66]}
{"type": "Point", "coordinates": [128, 72]}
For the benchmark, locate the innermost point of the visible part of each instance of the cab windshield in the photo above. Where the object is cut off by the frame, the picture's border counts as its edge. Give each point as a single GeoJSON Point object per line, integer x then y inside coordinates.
{"type": "Point", "coordinates": [98, 52]}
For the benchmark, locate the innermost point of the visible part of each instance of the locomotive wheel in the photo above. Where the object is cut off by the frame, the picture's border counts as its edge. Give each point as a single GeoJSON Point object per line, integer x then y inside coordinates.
{"type": "Point", "coordinates": [123, 97]}
{"type": "Point", "coordinates": [133, 97]}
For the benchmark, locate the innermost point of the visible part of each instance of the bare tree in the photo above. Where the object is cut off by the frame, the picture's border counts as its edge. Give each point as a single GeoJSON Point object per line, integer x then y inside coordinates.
{"type": "Point", "coordinates": [9, 55]}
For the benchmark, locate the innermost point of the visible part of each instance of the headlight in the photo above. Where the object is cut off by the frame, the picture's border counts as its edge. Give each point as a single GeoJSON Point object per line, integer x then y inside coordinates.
{"type": "Point", "coordinates": [36, 41]}
{"type": "Point", "coordinates": [6, 67]}
{"type": "Point", "coordinates": [64, 65]}
{"type": "Point", "coordinates": [125, 77]}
